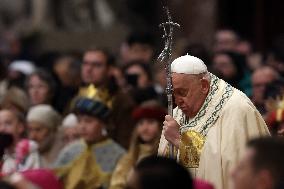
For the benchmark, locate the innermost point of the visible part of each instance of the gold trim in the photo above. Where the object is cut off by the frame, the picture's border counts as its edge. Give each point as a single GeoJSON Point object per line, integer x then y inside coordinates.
{"type": "Point", "coordinates": [190, 148]}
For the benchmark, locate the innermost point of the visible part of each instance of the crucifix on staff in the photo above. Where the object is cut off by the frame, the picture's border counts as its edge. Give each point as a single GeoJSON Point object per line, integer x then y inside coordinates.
{"type": "Point", "coordinates": [166, 58]}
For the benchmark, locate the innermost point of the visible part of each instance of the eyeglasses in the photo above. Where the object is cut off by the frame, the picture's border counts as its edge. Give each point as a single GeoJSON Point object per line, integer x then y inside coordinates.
{"type": "Point", "coordinates": [95, 64]}
{"type": "Point", "coordinates": [260, 84]}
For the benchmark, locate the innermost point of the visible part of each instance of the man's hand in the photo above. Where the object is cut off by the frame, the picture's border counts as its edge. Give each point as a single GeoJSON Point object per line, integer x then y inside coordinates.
{"type": "Point", "coordinates": [171, 130]}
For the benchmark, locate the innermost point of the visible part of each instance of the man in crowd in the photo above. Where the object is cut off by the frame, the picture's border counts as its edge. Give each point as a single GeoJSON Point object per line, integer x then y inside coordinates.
{"type": "Point", "coordinates": [226, 40]}
{"type": "Point", "coordinates": [262, 165]}
{"type": "Point", "coordinates": [260, 79]}
{"type": "Point", "coordinates": [96, 67]}
{"type": "Point", "coordinates": [43, 122]}
{"type": "Point", "coordinates": [211, 123]}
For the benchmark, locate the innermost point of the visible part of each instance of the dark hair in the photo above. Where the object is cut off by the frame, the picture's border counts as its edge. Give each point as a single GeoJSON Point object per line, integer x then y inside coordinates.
{"type": "Point", "coordinates": [141, 37]}
{"type": "Point", "coordinates": [110, 59]}
{"type": "Point", "coordinates": [274, 89]}
{"type": "Point", "coordinates": [111, 83]}
{"type": "Point", "coordinates": [3, 68]}
{"type": "Point", "coordinates": [6, 140]}
{"type": "Point", "coordinates": [6, 185]}
{"type": "Point", "coordinates": [277, 48]}
{"type": "Point", "coordinates": [144, 65]}
{"type": "Point", "coordinates": [239, 62]}
{"type": "Point", "coordinates": [198, 50]}
{"type": "Point", "coordinates": [269, 154]}
{"type": "Point", "coordinates": [156, 172]}
{"type": "Point", "coordinates": [47, 78]}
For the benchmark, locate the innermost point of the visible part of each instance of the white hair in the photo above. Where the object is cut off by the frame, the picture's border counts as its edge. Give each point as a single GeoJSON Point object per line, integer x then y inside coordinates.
{"type": "Point", "coordinates": [207, 76]}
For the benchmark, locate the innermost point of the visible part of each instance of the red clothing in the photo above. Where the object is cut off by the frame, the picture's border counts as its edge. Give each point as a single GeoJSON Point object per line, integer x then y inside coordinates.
{"type": "Point", "coordinates": [200, 184]}
{"type": "Point", "coordinates": [43, 178]}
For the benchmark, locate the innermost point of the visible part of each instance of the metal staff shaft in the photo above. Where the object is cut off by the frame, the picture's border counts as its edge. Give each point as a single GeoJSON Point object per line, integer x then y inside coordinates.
{"type": "Point", "coordinates": [165, 56]}
{"type": "Point", "coordinates": [169, 91]}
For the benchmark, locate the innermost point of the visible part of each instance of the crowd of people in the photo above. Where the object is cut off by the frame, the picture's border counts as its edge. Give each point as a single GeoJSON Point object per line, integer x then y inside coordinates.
{"type": "Point", "coordinates": [93, 119]}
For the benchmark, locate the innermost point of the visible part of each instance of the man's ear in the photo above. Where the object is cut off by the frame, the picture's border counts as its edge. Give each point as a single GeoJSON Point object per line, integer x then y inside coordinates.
{"type": "Point", "coordinates": [205, 86]}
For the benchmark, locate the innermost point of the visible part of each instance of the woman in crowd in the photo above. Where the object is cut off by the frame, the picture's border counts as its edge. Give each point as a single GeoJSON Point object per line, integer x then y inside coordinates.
{"type": "Point", "coordinates": [145, 138]}
{"type": "Point", "coordinates": [40, 88]}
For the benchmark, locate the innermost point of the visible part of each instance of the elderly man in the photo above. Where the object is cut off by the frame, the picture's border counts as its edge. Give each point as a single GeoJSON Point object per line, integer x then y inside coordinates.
{"type": "Point", "coordinates": [211, 123]}
{"type": "Point", "coordinates": [43, 122]}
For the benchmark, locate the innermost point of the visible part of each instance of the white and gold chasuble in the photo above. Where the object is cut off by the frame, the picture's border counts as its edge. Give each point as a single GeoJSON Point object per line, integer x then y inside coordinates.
{"type": "Point", "coordinates": [212, 141]}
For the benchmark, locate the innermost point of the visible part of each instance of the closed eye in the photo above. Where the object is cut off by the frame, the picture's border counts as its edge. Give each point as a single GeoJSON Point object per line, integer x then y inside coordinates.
{"type": "Point", "coordinates": [181, 92]}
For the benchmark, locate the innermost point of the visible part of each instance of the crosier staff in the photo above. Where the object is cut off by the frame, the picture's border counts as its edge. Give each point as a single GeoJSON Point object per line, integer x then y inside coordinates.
{"type": "Point", "coordinates": [166, 57]}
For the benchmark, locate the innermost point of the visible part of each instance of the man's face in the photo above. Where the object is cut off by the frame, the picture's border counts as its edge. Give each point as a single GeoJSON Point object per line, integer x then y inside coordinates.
{"type": "Point", "coordinates": [94, 67]}
{"type": "Point", "coordinates": [148, 129]}
{"type": "Point", "coordinates": [189, 92]}
{"type": "Point", "coordinates": [38, 133]}
{"type": "Point", "coordinates": [10, 124]}
{"type": "Point", "coordinates": [225, 40]}
{"type": "Point", "coordinates": [259, 81]}
{"type": "Point", "coordinates": [90, 128]}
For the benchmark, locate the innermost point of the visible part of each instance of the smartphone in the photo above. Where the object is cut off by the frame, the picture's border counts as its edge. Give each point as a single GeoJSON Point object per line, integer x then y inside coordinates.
{"type": "Point", "coordinates": [132, 79]}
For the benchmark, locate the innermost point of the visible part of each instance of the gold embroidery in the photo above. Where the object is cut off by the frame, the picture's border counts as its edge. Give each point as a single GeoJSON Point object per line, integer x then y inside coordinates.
{"type": "Point", "coordinates": [101, 95]}
{"type": "Point", "coordinates": [83, 172]}
{"type": "Point", "coordinates": [192, 137]}
{"type": "Point", "coordinates": [190, 148]}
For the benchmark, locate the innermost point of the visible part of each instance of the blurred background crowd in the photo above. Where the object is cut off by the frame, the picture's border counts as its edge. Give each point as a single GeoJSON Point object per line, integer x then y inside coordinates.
{"type": "Point", "coordinates": [82, 77]}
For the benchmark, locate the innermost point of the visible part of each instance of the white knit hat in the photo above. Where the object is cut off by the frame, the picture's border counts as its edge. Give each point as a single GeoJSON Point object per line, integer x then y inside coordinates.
{"type": "Point", "coordinates": [69, 121]}
{"type": "Point", "coordinates": [188, 65]}
{"type": "Point", "coordinates": [23, 66]}
{"type": "Point", "coordinates": [45, 115]}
